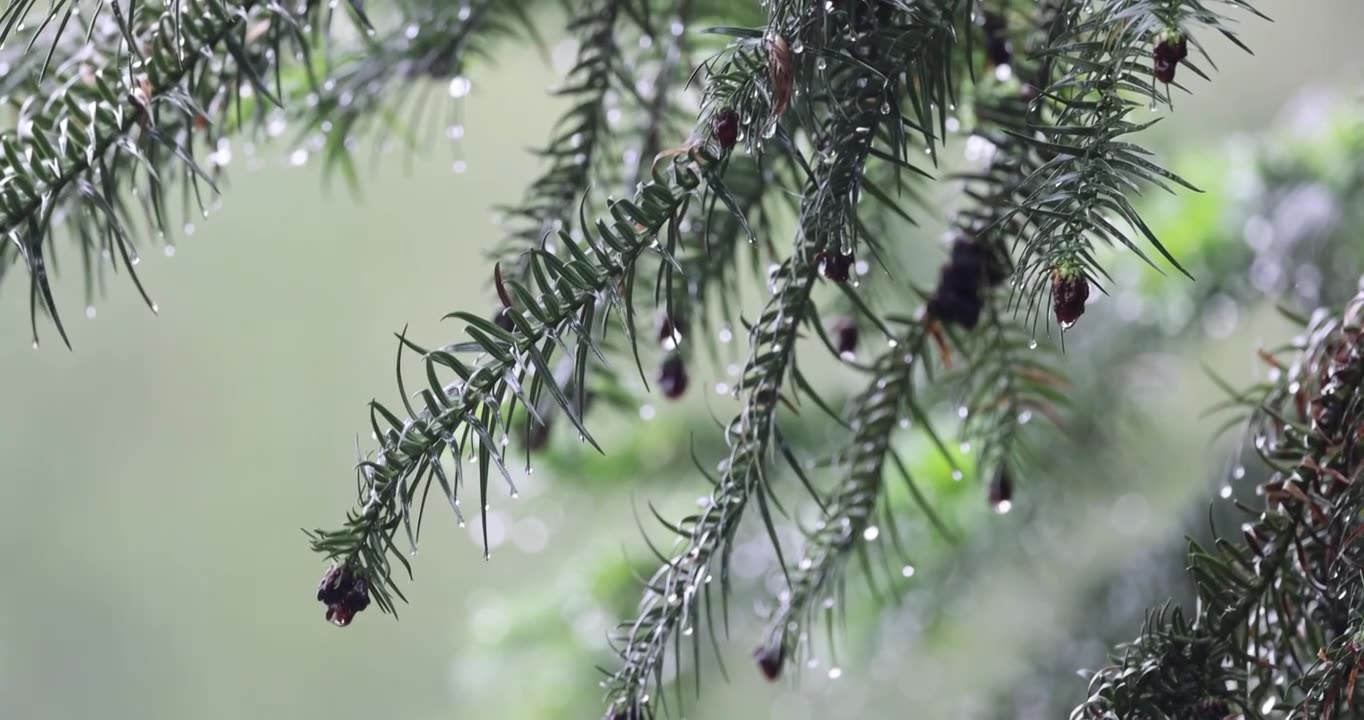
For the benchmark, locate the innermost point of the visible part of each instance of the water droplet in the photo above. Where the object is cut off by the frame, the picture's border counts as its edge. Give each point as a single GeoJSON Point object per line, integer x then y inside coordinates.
{"type": "Point", "coordinates": [821, 63]}
{"type": "Point", "coordinates": [646, 412]}
{"type": "Point", "coordinates": [1032, 344]}
{"type": "Point", "coordinates": [956, 475]}
{"type": "Point", "coordinates": [835, 673]}
{"type": "Point", "coordinates": [907, 571]}
{"type": "Point", "coordinates": [298, 157]}
{"type": "Point", "coordinates": [797, 47]}
{"type": "Point", "coordinates": [871, 533]}
{"type": "Point", "coordinates": [1003, 507]}
{"type": "Point", "coordinates": [460, 86]}
{"type": "Point", "coordinates": [966, 447]}
{"type": "Point", "coordinates": [169, 251]}
{"type": "Point", "coordinates": [459, 167]}
{"type": "Point", "coordinates": [1239, 472]}
{"type": "Point", "coordinates": [963, 411]}
{"type": "Point", "coordinates": [90, 311]}
{"type": "Point", "coordinates": [1226, 492]}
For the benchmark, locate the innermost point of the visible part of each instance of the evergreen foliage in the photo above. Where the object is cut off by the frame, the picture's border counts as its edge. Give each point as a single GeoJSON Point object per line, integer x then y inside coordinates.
{"type": "Point", "coordinates": [694, 135]}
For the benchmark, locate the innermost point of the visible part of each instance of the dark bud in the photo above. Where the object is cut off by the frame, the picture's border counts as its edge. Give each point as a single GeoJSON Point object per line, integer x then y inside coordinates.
{"type": "Point", "coordinates": [1171, 50]}
{"type": "Point", "coordinates": [1069, 292]}
{"type": "Point", "coordinates": [846, 335]}
{"type": "Point", "coordinates": [502, 319]}
{"type": "Point", "coordinates": [670, 329]}
{"type": "Point", "coordinates": [771, 657]}
{"type": "Point", "coordinates": [672, 376]}
{"type": "Point", "coordinates": [1001, 492]}
{"type": "Point", "coordinates": [345, 592]}
{"type": "Point", "coordinates": [834, 266]}
{"type": "Point", "coordinates": [725, 127]}
{"type": "Point", "coordinates": [957, 299]}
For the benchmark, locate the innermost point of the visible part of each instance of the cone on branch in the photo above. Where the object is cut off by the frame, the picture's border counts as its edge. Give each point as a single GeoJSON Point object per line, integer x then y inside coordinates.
{"type": "Point", "coordinates": [1069, 293]}
{"type": "Point", "coordinates": [345, 592]}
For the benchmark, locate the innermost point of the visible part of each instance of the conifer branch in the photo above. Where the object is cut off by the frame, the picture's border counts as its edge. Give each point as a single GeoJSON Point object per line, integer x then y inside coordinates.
{"type": "Point", "coordinates": [564, 307]}
{"type": "Point", "coordinates": [861, 93]}
{"type": "Point", "coordinates": [134, 104]}
{"type": "Point", "coordinates": [1276, 632]}
{"type": "Point", "coordinates": [849, 517]}
{"type": "Point", "coordinates": [580, 137]}
{"type": "Point", "coordinates": [1105, 61]}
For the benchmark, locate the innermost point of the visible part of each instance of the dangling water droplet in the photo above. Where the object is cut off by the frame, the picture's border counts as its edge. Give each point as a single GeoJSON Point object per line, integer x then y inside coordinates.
{"type": "Point", "coordinates": [956, 475]}
{"type": "Point", "coordinates": [797, 47]}
{"type": "Point", "coordinates": [835, 673]}
{"type": "Point", "coordinates": [871, 533]}
{"type": "Point", "coordinates": [885, 108]}
{"type": "Point", "coordinates": [1226, 492]}
{"type": "Point", "coordinates": [90, 311]}
{"type": "Point", "coordinates": [1003, 507]}
{"type": "Point", "coordinates": [1032, 344]}
{"type": "Point", "coordinates": [907, 571]}
{"type": "Point", "coordinates": [821, 63]}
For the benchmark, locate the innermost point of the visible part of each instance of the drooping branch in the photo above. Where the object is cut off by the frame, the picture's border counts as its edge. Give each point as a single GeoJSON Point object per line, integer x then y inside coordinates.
{"type": "Point", "coordinates": [859, 91]}
{"type": "Point", "coordinates": [107, 120]}
{"type": "Point", "coordinates": [563, 306]}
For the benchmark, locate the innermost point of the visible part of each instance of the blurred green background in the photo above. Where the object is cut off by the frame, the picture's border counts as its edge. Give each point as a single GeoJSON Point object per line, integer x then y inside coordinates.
{"type": "Point", "coordinates": [155, 480]}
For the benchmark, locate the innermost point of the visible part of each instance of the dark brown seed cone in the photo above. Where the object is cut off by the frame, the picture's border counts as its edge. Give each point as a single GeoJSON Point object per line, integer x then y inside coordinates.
{"type": "Point", "coordinates": [1167, 56]}
{"type": "Point", "coordinates": [1001, 492]}
{"type": "Point", "coordinates": [345, 592]}
{"type": "Point", "coordinates": [846, 334]}
{"type": "Point", "coordinates": [1069, 292]}
{"type": "Point", "coordinates": [957, 299]}
{"type": "Point", "coordinates": [834, 266]}
{"type": "Point", "coordinates": [771, 657]}
{"type": "Point", "coordinates": [672, 377]}
{"type": "Point", "coordinates": [725, 127]}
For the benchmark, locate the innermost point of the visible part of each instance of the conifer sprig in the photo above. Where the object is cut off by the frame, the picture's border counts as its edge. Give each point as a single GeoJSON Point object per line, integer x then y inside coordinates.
{"type": "Point", "coordinates": [562, 308]}
{"type": "Point", "coordinates": [1276, 631]}
{"type": "Point", "coordinates": [132, 106]}
{"type": "Point", "coordinates": [580, 138]}
{"type": "Point", "coordinates": [1104, 61]}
